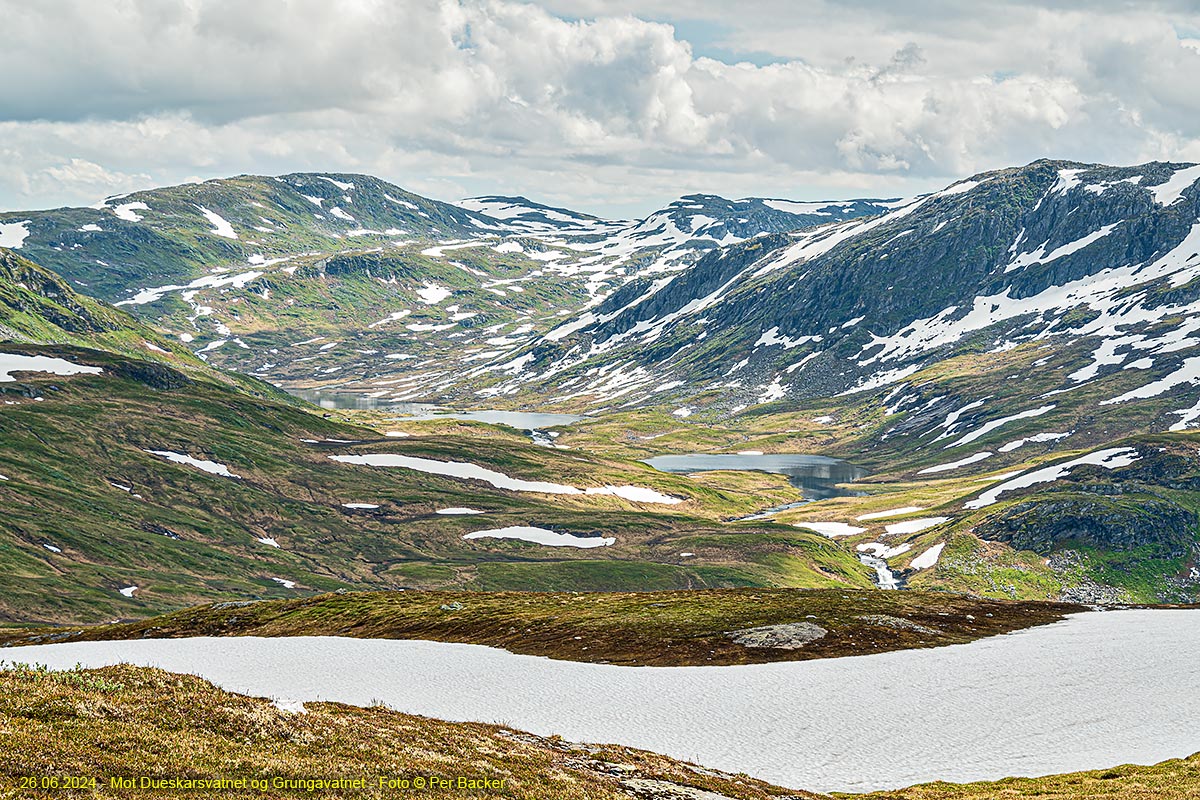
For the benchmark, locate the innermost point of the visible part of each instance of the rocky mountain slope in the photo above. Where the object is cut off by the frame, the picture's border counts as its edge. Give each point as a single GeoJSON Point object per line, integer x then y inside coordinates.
{"type": "Point", "coordinates": [243, 269]}
{"type": "Point", "coordinates": [181, 233]}
{"type": "Point", "coordinates": [1053, 252]}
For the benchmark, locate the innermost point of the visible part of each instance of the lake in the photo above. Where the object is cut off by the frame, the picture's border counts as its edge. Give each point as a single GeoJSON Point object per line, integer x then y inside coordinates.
{"type": "Point", "coordinates": [817, 476]}
{"type": "Point", "coordinates": [1091, 692]}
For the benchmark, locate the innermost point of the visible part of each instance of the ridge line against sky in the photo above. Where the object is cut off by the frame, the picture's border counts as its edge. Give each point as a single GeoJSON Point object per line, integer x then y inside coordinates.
{"type": "Point", "coordinates": [613, 107]}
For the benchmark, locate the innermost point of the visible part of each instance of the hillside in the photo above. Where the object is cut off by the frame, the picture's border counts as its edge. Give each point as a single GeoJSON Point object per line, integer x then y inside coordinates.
{"type": "Point", "coordinates": [181, 233]}
{"type": "Point", "coordinates": [1053, 253]}
{"type": "Point", "coordinates": [130, 721]}
{"type": "Point", "coordinates": [137, 479]}
{"type": "Point", "coordinates": [1010, 359]}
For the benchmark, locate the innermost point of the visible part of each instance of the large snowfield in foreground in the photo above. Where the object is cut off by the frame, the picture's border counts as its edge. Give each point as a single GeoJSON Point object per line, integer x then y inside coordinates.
{"type": "Point", "coordinates": [1097, 690]}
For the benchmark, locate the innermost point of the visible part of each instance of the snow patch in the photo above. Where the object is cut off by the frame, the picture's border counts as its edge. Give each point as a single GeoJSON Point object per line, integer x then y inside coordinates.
{"type": "Point", "coordinates": [13, 362]}
{"type": "Point", "coordinates": [914, 525]}
{"type": "Point", "coordinates": [221, 226]}
{"type": "Point", "coordinates": [1111, 458]}
{"type": "Point", "coordinates": [13, 234]}
{"type": "Point", "coordinates": [126, 211]}
{"type": "Point", "coordinates": [831, 529]}
{"type": "Point", "coordinates": [962, 462]}
{"type": "Point", "coordinates": [928, 558]}
{"type": "Point", "coordinates": [543, 536]}
{"type": "Point", "coordinates": [211, 467]}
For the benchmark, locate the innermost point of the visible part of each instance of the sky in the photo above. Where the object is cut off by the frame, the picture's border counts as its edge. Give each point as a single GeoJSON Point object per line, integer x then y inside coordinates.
{"type": "Point", "coordinates": [613, 107]}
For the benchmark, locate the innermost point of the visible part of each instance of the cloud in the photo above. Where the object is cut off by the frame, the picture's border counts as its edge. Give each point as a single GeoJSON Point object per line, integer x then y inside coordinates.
{"type": "Point", "coordinates": [583, 103]}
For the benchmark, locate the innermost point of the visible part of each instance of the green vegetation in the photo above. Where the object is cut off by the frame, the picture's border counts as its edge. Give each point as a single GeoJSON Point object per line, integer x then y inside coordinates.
{"type": "Point", "coordinates": [90, 512]}
{"type": "Point", "coordinates": [1177, 779]}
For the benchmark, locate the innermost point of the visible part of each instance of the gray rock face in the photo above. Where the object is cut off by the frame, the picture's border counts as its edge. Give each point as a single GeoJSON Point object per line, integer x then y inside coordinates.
{"type": "Point", "coordinates": [649, 789]}
{"type": "Point", "coordinates": [1112, 523]}
{"type": "Point", "coordinates": [788, 636]}
{"type": "Point", "coordinates": [1085, 590]}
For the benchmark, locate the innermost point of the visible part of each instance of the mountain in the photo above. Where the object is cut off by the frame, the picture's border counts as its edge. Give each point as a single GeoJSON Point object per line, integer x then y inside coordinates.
{"type": "Point", "coordinates": [183, 232]}
{"type": "Point", "coordinates": [268, 275]}
{"type": "Point", "coordinates": [1032, 328]}
{"type": "Point", "coordinates": [711, 217]}
{"type": "Point", "coordinates": [522, 215]}
{"type": "Point", "coordinates": [1005, 258]}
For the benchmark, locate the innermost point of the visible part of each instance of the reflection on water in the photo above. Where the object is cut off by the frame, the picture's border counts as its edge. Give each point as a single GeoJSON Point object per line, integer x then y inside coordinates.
{"type": "Point", "coordinates": [521, 420]}
{"type": "Point", "coordinates": [816, 476]}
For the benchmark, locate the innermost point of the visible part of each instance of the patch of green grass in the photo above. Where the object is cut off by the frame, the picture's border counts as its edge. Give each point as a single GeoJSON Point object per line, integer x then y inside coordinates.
{"type": "Point", "coordinates": [72, 536]}
{"type": "Point", "coordinates": [1176, 779]}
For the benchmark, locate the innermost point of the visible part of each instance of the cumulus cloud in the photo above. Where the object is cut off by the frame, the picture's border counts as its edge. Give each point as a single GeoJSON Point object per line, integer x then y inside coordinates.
{"type": "Point", "coordinates": [605, 106]}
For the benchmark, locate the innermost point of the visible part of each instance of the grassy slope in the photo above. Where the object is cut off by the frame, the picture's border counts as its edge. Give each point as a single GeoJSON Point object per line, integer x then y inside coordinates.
{"type": "Point", "coordinates": [192, 537]}
{"type": "Point", "coordinates": [174, 243]}
{"type": "Point", "coordinates": [858, 429]}
{"type": "Point", "coordinates": [1176, 779]}
{"type": "Point", "coordinates": [132, 721]}
{"type": "Point", "coordinates": [347, 299]}
{"type": "Point", "coordinates": [656, 628]}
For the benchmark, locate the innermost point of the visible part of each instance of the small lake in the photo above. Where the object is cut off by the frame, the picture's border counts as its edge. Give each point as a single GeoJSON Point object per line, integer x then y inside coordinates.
{"type": "Point", "coordinates": [521, 420]}
{"type": "Point", "coordinates": [817, 476]}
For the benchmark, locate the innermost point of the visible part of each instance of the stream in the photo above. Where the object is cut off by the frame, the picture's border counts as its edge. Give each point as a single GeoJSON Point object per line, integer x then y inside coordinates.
{"type": "Point", "coordinates": [884, 577]}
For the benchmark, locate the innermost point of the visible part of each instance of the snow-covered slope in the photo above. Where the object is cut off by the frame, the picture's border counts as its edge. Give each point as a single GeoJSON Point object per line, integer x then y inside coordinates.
{"type": "Point", "coordinates": [1055, 252]}
{"type": "Point", "coordinates": [522, 215]}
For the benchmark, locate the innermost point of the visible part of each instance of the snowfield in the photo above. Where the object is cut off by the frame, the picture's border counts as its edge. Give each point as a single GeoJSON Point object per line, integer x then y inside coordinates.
{"type": "Point", "coordinates": [1070, 696]}
{"type": "Point", "coordinates": [221, 226]}
{"type": "Point", "coordinates": [460, 469]}
{"type": "Point", "coordinates": [527, 533]}
{"type": "Point", "coordinates": [831, 529]}
{"type": "Point", "coordinates": [13, 362]}
{"type": "Point", "coordinates": [13, 234]}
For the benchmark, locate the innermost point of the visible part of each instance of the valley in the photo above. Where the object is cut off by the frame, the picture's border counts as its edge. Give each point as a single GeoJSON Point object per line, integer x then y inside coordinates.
{"type": "Point", "coordinates": [319, 411]}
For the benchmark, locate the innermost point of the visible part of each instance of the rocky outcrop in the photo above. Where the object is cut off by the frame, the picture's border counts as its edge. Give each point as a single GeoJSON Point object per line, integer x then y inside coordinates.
{"type": "Point", "coordinates": [1123, 522]}
{"type": "Point", "coordinates": [47, 296]}
{"type": "Point", "coordinates": [898, 623]}
{"type": "Point", "coordinates": [788, 636]}
{"type": "Point", "coordinates": [147, 373]}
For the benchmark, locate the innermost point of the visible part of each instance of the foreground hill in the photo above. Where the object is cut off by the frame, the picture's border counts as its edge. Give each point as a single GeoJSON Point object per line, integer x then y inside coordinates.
{"type": "Point", "coordinates": [129, 721]}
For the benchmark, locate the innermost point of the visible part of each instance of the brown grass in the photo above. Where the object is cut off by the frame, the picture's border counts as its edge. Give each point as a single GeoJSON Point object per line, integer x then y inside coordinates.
{"type": "Point", "coordinates": [656, 628]}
